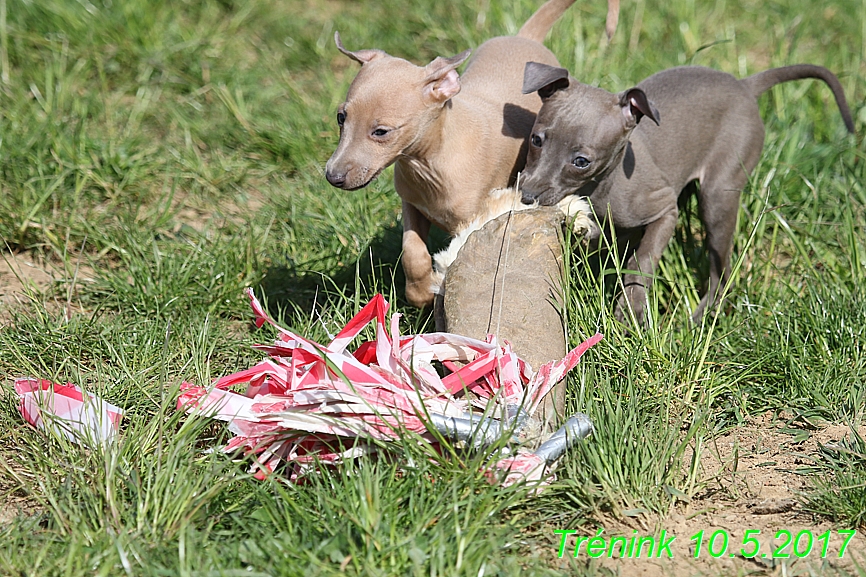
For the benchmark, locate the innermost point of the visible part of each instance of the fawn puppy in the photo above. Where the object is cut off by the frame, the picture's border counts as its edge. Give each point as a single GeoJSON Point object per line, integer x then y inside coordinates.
{"type": "Point", "coordinates": [452, 139]}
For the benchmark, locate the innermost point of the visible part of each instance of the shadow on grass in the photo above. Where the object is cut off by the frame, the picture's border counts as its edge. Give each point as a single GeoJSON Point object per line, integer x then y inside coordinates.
{"type": "Point", "coordinates": [293, 292]}
{"type": "Point", "coordinates": [690, 236]}
{"type": "Point", "coordinates": [683, 268]}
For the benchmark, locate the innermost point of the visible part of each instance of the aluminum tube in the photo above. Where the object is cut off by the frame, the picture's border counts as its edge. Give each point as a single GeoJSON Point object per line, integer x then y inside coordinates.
{"type": "Point", "coordinates": [480, 431]}
{"type": "Point", "coordinates": [575, 429]}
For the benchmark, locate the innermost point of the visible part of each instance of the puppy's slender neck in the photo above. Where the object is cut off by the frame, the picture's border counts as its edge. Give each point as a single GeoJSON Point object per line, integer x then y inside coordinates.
{"type": "Point", "coordinates": [429, 140]}
{"type": "Point", "coordinates": [616, 162]}
{"type": "Point", "coordinates": [431, 163]}
{"type": "Point", "coordinates": [587, 189]}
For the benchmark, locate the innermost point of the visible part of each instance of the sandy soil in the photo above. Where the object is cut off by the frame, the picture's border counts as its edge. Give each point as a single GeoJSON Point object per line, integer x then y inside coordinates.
{"type": "Point", "coordinates": [755, 475]}
{"type": "Point", "coordinates": [25, 278]}
{"type": "Point", "coordinates": [20, 275]}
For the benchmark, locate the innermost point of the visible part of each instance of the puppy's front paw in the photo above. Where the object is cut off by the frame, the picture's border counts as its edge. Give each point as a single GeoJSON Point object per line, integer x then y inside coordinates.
{"type": "Point", "coordinates": [578, 212]}
{"type": "Point", "coordinates": [419, 294]}
{"type": "Point", "coordinates": [634, 298]}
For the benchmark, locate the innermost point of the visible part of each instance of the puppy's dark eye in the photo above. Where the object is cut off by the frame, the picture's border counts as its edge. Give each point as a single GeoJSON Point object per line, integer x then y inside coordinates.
{"type": "Point", "coordinates": [535, 140]}
{"type": "Point", "coordinates": [581, 162]}
{"type": "Point", "coordinates": [341, 118]}
{"type": "Point", "coordinates": [380, 132]}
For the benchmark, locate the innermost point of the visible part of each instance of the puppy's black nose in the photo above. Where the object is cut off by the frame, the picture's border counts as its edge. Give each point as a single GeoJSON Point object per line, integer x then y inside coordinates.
{"type": "Point", "coordinates": [527, 197]}
{"type": "Point", "coordinates": [337, 179]}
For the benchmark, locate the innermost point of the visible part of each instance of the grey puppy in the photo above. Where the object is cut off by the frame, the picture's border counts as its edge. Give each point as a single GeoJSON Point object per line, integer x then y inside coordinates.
{"type": "Point", "coordinates": [706, 129]}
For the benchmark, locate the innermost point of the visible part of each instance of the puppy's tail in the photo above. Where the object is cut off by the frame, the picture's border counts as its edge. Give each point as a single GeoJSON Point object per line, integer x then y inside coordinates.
{"type": "Point", "coordinates": [759, 83]}
{"type": "Point", "coordinates": [540, 23]}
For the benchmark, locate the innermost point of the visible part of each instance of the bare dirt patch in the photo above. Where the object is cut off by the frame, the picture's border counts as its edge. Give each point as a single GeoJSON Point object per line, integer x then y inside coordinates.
{"type": "Point", "coordinates": [14, 506]}
{"type": "Point", "coordinates": [21, 276]}
{"type": "Point", "coordinates": [13, 502]}
{"type": "Point", "coordinates": [24, 277]}
{"type": "Point", "coordinates": [193, 214]}
{"type": "Point", "coordinates": [754, 480]}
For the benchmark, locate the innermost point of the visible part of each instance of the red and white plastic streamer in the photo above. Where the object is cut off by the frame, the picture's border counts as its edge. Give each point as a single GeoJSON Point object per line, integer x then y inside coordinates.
{"type": "Point", "coordinates": [67, 410]}
{"type": "Point", "coordinates": [309, 404]}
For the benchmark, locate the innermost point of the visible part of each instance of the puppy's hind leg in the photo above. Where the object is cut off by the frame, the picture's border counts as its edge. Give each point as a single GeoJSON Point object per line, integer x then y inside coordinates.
{"type": "Point", "coordinates": [718, 201]}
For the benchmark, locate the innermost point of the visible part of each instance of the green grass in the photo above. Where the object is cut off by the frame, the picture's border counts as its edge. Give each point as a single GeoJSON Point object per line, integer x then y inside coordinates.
{"type": "Point", "coordinates": [164, 155]}
{"type": "Point", "coordinates": [841, 494]}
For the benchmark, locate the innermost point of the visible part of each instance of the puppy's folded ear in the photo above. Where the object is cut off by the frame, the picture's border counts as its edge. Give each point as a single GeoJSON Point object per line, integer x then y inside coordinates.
{"type": "Point", "coordinates": [442, 81]}
{"type": "Point", "coordinates": [635, 105]}
{"type": "Point", "coordinates": [441, 64]}
{"type": "Point", "coordinates": [361, 56]}
{"type": "Point", "coordinates": [544, 79]}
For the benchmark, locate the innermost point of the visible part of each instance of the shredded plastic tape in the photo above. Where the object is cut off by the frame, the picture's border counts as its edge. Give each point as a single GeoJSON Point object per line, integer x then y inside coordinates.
{"type": "Point", "coordinates": [68, 411]}
{"type": "Point", "coordinates": [309, 404]}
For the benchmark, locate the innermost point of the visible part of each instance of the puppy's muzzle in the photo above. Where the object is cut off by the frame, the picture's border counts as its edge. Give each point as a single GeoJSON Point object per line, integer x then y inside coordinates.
{"type": "Point", "coordinates": [337, 179]}
{"type": "Point", "coordinates": [528, 197]}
